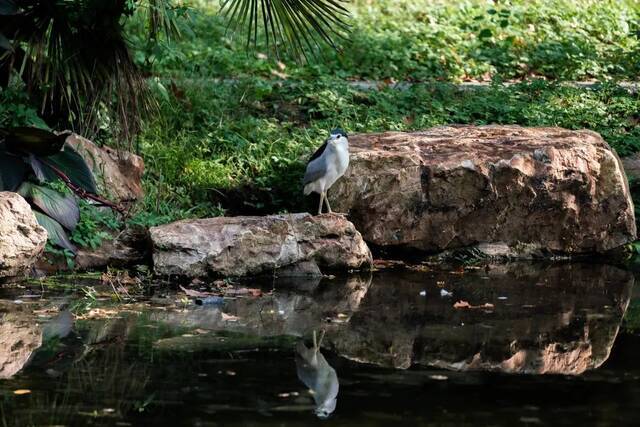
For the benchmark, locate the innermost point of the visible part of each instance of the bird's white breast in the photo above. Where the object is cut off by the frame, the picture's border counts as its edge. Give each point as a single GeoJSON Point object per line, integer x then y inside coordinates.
{"type": "Point", "coordinates": [338, 161]}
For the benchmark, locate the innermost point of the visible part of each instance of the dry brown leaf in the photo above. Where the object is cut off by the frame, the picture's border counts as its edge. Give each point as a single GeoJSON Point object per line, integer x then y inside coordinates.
{"type": "Point", "coordinates": [243, 291]}
{"type": "Point", "coordinates": [461, 304]}
{"type": "Point", "coordinates": [465, 304]}
{"type": "Point", "coordinates": [194, 293]}
{"type": "Point", "coordinates": [229, 317]}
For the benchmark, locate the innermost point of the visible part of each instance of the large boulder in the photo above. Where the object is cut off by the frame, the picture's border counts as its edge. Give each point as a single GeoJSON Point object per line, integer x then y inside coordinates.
{"type": "Point", "coordinates": [239, 246]}
{"type": "Point", "coordinates": [22, 239]}
{"type": "Point", "coordinates": [118, 173]}
{"type": "Point", "coordinates": [531, 191]}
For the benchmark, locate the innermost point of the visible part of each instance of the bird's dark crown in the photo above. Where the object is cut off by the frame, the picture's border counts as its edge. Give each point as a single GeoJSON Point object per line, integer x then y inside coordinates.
{"type": "Point", "coordinates": [339, 131]}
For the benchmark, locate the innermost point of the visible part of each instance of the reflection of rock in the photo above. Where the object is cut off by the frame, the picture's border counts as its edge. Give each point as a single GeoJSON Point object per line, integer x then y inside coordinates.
{"type": "Point", "coordinates": [281, 313]}
{"type": "Point", "coordinates": [22, 239]}
{"type": "Point", "coordinates": [529, 190]}
{"type": "Point", "coordinates": [20, 337]}
{"type": "Point", "coordinates": [239, 246]}
{"type": "Point", "coordinates": [561, 319]}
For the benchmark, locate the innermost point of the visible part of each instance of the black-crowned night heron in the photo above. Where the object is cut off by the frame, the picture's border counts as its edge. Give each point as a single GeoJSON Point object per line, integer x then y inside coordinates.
{"type": "Point", "coordinates": [326, 165]}
{"type": "Point", "coordinates": [316, 373]}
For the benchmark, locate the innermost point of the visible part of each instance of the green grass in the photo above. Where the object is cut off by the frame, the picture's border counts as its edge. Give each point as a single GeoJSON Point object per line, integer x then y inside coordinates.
{"type": "Point", "coordinates": [426, 40]}
{"type": "Point", "coordinates": [242, 146]}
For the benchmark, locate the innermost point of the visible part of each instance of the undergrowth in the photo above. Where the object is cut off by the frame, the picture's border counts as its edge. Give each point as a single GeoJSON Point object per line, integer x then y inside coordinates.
{"type": "Point", "coordinates": [242, 146]}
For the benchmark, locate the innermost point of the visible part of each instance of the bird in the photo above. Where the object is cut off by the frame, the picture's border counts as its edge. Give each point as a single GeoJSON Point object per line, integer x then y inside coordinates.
{"type": "Point", "coordinates": [326, 166]}
{"type": "Point", "coordinates": [316, 373]}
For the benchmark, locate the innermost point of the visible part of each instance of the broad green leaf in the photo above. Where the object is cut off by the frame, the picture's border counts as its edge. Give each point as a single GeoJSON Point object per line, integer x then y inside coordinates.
{"type": "Point", "coordinates": [63, 209]}
{"type": "Point", "coordinates": [8, 7]}
{"type": "Point", "coordinates": [12, 170]}
{"type": "Point", "coordinates": [30, 140]}
{"type": "Point", "coordinates": [69, 162]}
{"type": "Point", "coordinates": [57, 235]}
{"type": "Point", "coordinates": [5, 43]}
{"type": "Point", "coordinates": [42, 172]}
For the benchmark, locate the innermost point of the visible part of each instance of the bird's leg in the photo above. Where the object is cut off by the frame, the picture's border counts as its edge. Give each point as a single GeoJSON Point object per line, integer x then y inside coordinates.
{"type": "Point", "coordinates": [326, 199]}
{"type": "Point", "coordinates": [321, 337]}
{"type": "Point", "coordinates": [321, 199]}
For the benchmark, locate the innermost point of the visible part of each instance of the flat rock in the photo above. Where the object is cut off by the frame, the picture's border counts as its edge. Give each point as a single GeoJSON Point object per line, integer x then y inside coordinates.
{"type": "Point", "coordinates": [248, 245]}
{"type": "Point", "coordinates": [534, 191]}
{"type": "Point", "coordinates": [22, 239]}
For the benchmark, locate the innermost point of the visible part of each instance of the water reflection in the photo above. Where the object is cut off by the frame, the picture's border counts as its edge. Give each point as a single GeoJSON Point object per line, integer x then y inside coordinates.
{"type": "Point", "coordinates": [518, 318]}
{"type": "Point", "coordinates": [238, 357]}
{"type": "Point", "coordinates": [559, 319]}
{"type": "Point", "coordinates": [316, 373]}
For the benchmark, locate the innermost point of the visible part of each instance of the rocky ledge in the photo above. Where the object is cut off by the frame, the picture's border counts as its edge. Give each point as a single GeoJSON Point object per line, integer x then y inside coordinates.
{"type": "Point", "coordinates": [530, 191]}
{"type": "Point", "coordinates": [247, 245]}
{"type": "Point", "coordinates": [22, 239]}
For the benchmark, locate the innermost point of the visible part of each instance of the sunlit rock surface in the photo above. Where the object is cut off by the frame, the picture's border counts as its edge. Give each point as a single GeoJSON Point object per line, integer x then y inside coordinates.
{"type": "Point", "coordinates": [532, 191]}
{"type": "Point", "coordinates": [118, 173]}
{"type": "Point", "coordinates": [239, 246]}
{"type": "Point", "coordinates": [22, 239]}
{"type": "Point", "coordinates": [20, 336]}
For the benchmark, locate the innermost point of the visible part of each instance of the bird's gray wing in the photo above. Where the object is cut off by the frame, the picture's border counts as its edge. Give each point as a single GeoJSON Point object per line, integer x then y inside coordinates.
{"type": "Point", "coordinates": [319, 151]}
{"type": "Point", "coordinates": [315, 170]}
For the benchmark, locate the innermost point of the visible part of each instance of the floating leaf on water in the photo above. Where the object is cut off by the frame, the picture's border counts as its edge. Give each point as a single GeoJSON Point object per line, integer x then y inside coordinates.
{"type": "Point", "coordinates": [465, 304]}
{"type": "Point", "coordinates": [229, 317]}
{"type": "Point", "coordinates": [194, 293]}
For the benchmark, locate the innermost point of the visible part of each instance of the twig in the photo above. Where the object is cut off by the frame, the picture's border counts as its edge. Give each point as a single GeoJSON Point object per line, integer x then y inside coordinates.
{"type": "Point", "coordinates": [82, 193]}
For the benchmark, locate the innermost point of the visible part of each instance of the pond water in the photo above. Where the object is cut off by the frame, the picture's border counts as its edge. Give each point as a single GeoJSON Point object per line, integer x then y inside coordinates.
{"type": "Point", "coordinates": [531, 344]}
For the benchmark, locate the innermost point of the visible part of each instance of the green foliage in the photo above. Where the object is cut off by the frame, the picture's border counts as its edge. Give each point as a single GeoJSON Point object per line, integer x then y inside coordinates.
{"type": "Point", "coordinates": [32, 161]}
{"type": "Point", "coordinates": [425, 40]}
{"type": "Point", "coordinates": [94, 226]}
{"type": "Point", "coordinates": [16, 109]}
{"type": "Point", "coordinates": [632, 316]}
{"type": "Point", "coordinates": [244, 145]}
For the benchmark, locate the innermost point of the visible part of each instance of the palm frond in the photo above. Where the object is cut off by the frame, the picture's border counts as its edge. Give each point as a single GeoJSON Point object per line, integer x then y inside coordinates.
{"type": "Point", "coordinates": [75, 60]}
{"type": "Point", "coordinates": [297, 26]}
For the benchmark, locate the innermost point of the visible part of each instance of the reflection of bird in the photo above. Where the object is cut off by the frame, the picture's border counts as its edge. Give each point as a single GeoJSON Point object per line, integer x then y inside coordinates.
{"type": "Point", "coordinates": [59, 326]}
{"type": "Point", "coordinates": [326, 165]}
{"type": "Point", "coordinates": [316, 373]}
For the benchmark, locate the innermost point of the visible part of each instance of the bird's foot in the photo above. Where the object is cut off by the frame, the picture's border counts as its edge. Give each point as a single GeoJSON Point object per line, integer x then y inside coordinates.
{"type": "Point", "coordinates": [344, 215]}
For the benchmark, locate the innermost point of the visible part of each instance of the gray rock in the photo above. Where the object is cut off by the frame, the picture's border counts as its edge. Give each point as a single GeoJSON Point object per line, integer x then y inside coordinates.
{"type": "Point", "coordinates": [544, 190]}
{"type": "Point", "coordinates": [241, 246]}
{"type": "Point", "coordinates": [22, 239]}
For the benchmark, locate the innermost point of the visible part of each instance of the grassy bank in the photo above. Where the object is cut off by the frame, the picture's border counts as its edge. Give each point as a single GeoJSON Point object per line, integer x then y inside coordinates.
{"type": "Point", "coordinates": [432, 40]}
{"type": "Point", "coordinates": [242, 146]}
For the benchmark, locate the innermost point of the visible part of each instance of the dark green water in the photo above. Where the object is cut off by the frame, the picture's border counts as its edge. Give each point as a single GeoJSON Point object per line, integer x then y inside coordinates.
{"type": "Point", "coordinates": [542, 345]}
